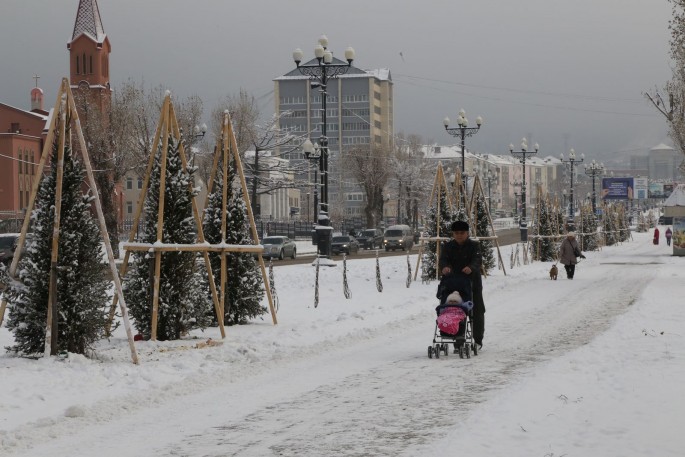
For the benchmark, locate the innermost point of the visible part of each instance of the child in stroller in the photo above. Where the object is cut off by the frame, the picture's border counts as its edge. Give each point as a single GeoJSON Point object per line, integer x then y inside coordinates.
{"type": "Point", "coordinates": [453, 324]}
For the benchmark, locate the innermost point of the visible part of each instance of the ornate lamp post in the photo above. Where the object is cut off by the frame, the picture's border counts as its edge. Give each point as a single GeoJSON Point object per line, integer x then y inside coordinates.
{"type": "Point", "coordinates": [190, 139]}
{"type": "Point", "coordinates": [594, 170]}
{"type": "Point", "coordinates": [490, 178]}
{"type": "Point", "coordinates": [572, 160]}
{"type": "Point", "coordinates": [521, 155]}
{"type": "Point", "coordinates": [313, 152]}
{"type": "Point", "coordinates": [319, 72]}
{"type": "Point", "coordinates": [462, 131]}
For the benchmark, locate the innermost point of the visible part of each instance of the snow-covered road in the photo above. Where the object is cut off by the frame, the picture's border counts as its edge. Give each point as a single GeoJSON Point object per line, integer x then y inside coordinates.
{"type": "Point", "coordinates": [349, 378]}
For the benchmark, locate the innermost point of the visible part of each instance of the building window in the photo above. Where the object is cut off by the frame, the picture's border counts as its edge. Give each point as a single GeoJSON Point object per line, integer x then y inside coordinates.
{"type": "Point", "coordinates": [140, 183]}
{"type": "Point", "coordinates": [377, 139]}
{"type": "Point", "coordinates": [129, 183]}
{"type": "Point", "coordinates": [78, 66]}
{"type": "Point", "coordinates": [377, 124]}
{"type": "Point", "coordinates": [129, 207]}
{"type": "Point", "coordinates": [376, 95]}
{"type": "Point", "coordinates": [377, 109]}
{"type": "Point", "coordinates": [26, 162]}
{"type": "Point", "coordinates": [91, 64]}
{"type": "Point", "coordinates": [33, 163]}
{"type": "Point", "coordinates": [15, 127]}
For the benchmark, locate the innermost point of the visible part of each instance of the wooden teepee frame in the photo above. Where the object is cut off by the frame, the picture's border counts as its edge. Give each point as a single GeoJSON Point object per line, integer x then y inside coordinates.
{"type": "Point", "coordinates": [65, 109]}
{"type": "Point", "coordinates": [439, 184]}
{"type": "Point", "coordinates": [478, 191]}
{"type": "Point", "coordinates": [168, 126]}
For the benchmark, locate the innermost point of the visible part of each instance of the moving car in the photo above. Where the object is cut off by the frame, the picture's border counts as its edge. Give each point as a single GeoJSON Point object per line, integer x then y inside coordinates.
{"type": "Point", "coordinates": [279, 247]}
{"type": "Point", "coordinates": [398, 237]}
{"type": "Point", "coordinates": [347, 244]}
{"type": "Point", "coordinates": [8, 243]}
{"type": "Point", "coordinates": [371, 239]}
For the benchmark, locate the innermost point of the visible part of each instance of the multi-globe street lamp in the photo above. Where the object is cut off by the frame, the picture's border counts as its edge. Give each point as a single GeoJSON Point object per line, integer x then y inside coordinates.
{"type": "Point", "coordinates": [319, 72]}
{"type": "Point", "coordinates": [462, 131]}
{"type": "Point", "coordinates": [594, 170]}
{"type": "Point", "coordinates": [572, 160]}
{"type": "Point", "coordinates": [490, 178]}
{"type": "Point", "coordinates": [313, 152]}
{"type": "Point", "coordinates": [521, 156]}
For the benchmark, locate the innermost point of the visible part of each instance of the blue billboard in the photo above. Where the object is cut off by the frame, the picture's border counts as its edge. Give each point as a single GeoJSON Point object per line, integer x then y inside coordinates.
{"type": "Point", "coordinates": [618, 188]}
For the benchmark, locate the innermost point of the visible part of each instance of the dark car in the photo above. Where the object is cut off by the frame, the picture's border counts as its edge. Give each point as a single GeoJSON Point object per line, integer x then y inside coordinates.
{"type": "Point", "coordinates": [8, 243]}
{"type": "Point", "coordinates": [371, 239]}
{"type": "Point", "coordinates": [347, 244]}
{"type": "Point", "coordinates": [665, 220]}
{"type": "Point", "coordinates": [279, 247]}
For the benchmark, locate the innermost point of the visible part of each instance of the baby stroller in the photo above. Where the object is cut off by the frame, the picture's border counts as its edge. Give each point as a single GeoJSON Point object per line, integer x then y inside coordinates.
{"type": "Point", "coordinates": [453, 324]}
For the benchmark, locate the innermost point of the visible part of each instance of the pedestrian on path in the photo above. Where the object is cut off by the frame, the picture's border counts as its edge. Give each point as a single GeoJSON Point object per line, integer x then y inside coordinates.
{"type": "Point", "coordinates": [656, 235]}
{"type": "Point", "coordinates": [668, 236]}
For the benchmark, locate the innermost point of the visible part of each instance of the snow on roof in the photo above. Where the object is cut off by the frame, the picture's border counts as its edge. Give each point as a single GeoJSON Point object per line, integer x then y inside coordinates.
{"type": "Point", "coordinates": [677, 198]}
{"type": "Point", "coordinates": [662, 147]}
{"type": "Point", "coordinates": [88, 21]}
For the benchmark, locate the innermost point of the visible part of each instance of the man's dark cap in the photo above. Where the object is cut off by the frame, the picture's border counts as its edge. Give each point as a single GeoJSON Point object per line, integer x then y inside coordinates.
{"type": "Point", "coordinates": [460, 226]}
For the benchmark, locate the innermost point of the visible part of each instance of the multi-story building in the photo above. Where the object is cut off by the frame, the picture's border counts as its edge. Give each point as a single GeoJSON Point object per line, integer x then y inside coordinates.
{"type": "Point", "coordinates": [359, 119]}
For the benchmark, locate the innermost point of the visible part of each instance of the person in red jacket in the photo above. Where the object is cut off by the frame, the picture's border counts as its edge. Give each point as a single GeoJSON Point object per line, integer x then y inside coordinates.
{"type": "Point", "coordinates": [656, 235]}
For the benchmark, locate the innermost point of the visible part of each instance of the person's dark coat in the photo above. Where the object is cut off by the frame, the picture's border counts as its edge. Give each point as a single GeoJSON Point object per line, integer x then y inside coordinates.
{"type": "Point", "coordinates": [457, 257]}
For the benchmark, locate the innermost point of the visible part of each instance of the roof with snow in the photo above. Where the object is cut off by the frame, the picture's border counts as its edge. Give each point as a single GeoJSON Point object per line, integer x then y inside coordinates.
{"type": "Point", "coordinates": [88, 21]}
{"type": "Point", "coordinates": [662, 147]}
{"type": "Point", "coordinates": [382, 74]}
{"type": "Point", "coordinates": [677, 198]}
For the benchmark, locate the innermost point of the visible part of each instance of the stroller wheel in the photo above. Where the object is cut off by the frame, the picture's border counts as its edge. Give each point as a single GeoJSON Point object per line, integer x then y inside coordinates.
{"type": "Point", "coordinates": [445, 349]}
{"type": "Point", "coordinates": [437, 351]}
{"type": "Point", "coordinates": [468, 351]}
{"type": "Point", "coordinates": [474, 347]}
{"type": "Point", "coordinates": [461, 352]}
{"type": "Point", "coordinates": [430, 352]}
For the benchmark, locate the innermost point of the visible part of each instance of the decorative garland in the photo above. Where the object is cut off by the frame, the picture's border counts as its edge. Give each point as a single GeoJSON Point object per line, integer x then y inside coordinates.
{"type": "Point", "coordinates": [316, 284]}
{"type": "Point", "coordinates": [379, 284]}
{"type": "Point", "coordinates": [272, 285]}
{"type": "Point", "coordinates": [346, 287]}
{"type": "Point", "coordinates": [408, 271]}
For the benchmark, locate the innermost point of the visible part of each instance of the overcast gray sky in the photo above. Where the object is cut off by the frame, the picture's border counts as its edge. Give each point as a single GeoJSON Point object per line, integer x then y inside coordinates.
{"type": "Point", "coordinates": [569, 73]}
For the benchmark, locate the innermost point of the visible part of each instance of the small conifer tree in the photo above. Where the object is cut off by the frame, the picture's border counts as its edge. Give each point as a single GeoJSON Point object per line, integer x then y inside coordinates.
{"type": "Point", "coordinates": [81, 280]}
{"type": "Point", "coordinates": [244, 286]}
{"type": "Point", "coordinates": [482, 230]}
{"type": "Point", "coordinates": [430, 259]}
{"type": "Point", "coordinates": [544, 248]}
{"type": "Point", "coordinates": [183, 300]}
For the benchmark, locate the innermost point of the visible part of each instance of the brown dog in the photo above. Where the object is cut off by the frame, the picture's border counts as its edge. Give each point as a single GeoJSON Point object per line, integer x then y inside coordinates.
{"type": "Point", "coordinates": [553, 272]}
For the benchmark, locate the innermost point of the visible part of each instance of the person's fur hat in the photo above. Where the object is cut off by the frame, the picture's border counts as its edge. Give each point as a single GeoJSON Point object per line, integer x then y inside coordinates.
{"type": "Point", "coordinates": [454, 299]}
{"type": "Point", "coordinates": [460, 226]}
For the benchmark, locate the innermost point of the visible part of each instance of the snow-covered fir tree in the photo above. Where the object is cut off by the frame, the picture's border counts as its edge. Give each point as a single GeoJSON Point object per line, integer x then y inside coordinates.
{"type": "Point", "coordinates": [447, 216]}
{"type": "Point", "coordinates": [623, 223]}
{"type": "Point", "coordinates": [81, 280]}
{"type": "Point", "coordinates": [244, 285]}
{"type": "Point", "coordinates": [184, 302]}
{"type": "Point", "coordinates": [483, 229]}
{"type": "Point", "coordinates": [609, 225]}
{"type": "Point", "coordinates": [545, 247]}
{"type": "Point", "coordinates": [588, 238]}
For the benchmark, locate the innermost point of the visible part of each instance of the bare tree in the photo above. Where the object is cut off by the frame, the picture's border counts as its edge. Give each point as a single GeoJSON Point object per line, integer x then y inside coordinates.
{"type": "Point", "coordinates": [411, 174]}
{"type": "Point", "coordinates": [372, 171]}
{"type": "Point", "coordinates": [673, 106]}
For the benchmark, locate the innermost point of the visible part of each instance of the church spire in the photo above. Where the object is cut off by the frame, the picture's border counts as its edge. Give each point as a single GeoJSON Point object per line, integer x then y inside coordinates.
{"type": "Point", "coordinates": [88, 21]}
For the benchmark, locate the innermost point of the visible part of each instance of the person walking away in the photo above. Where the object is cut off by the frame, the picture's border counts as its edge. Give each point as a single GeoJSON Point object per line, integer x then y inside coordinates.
{"type": "Point", "coordinates": [656, 235]}
{"type": "Point", "coordinates": [462, 255]}
{"type": "Point", "coordinates": [668, 236]}
{"type": "Point", "coordinates": [569, 252]}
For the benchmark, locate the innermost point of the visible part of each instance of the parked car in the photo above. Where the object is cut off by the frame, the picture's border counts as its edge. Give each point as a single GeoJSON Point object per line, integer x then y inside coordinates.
{"type": "Point", "coordinates": [347, 244]}
{"type": "Point", "coordinates": [665, 220]}
{"type": "Point", "coordinates": [8, 243]}
{"type": "Point", "coordinates": [279, 247]}
{"type": "Point", "coordinates": [371, 239]}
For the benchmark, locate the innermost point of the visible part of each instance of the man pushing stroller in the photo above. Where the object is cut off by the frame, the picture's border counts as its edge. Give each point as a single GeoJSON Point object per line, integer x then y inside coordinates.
{"type": "Point", "coordinates": [462, 256]}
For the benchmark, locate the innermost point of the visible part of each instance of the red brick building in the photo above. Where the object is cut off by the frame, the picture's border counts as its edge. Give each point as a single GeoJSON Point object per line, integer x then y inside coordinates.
{"type": "Point", "coordinates": [22, 133]}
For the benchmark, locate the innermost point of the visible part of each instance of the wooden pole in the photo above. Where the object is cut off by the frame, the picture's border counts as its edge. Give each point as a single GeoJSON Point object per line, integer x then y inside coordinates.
{"type": "Point", "coordinates": [52, 331]}
{"type": "Point", "coordinates": [198, 223]}
{"type": "Point", "coordinates": [253, 228]}
{"type": "Point", "coordinates": [103, 227]}
{"type": "Point", "coordinates": [136, 219]}
{"type": "Point", "coordinates": [160, 222]}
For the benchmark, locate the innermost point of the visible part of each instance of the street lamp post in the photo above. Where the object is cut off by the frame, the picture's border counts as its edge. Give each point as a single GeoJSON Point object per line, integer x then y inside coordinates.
{"type": "Point", "coordinates": [462, 131]}
{"type": "Point", "coordinates": [319, 72]}
{"type": "Point", "coordinates": [594, 170]}
{"type": "Point", "coordinates": [188, 140]}
{"type": "Point", "coordinates": [521, 156]}
{"type": "Point", "coordinates": [572, 160]}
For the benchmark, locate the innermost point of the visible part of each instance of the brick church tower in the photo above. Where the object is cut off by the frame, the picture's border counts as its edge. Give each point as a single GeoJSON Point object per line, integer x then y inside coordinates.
{"type": "Point", "coordinates": [89, 51]}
